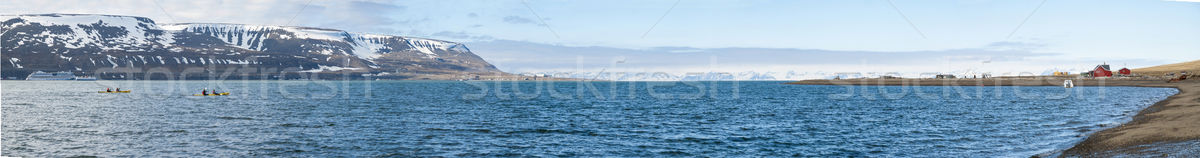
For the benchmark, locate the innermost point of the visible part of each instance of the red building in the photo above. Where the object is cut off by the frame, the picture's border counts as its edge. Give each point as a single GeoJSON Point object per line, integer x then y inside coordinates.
{"type": "Point", "coordinates": [1102, 71]}
{"type": "Point", "coordinates": [1125, 71]}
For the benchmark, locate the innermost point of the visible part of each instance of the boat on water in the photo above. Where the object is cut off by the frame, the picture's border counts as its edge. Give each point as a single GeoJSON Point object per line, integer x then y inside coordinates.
{"type": "Point", "coordinates": [125, 91]}
{"type": "Point", "coordinates": [85, 78]}
{"type": "Point", "coordinates": [47, 76]}
{"type": "Point", "coordinates": [214, 94]}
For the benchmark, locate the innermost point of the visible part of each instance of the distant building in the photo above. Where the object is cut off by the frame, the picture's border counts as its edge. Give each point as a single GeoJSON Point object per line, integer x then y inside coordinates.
{"type": "Point", "coordinates": [1057, 73]}
{"type": "Point", "coordinates": [944, 76]}
{"type": "Point", "coordinates": [1102, 71]}
{"type": "Point", "coordinates": [1125, 72]}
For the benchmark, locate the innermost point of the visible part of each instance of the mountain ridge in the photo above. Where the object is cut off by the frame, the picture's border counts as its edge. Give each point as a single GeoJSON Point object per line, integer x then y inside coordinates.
{"type": "Point", "coordinates": [84, 43]}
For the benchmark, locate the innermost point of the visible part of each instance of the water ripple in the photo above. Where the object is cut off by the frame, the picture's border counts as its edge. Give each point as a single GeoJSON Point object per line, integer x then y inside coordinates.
{"type": "Point", "coordinates": [431, 119]}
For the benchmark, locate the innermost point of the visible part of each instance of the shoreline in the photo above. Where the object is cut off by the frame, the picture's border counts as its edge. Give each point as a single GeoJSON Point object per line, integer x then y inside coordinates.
{"type": "Point", "coordinates": [1152, 131]}
{"type": "Point", "coordinates": [1169, 121]}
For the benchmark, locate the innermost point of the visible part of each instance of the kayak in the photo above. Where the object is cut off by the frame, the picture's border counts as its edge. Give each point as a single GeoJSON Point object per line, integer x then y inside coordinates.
{"type": "Point", "coordinates": [223, 93]}
{"type": "Point", "coordinates": [115, 91]}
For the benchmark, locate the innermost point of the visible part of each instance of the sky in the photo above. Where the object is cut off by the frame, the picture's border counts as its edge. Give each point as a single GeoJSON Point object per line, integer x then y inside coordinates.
{"type": "Point", "coordinates": [733, 35]}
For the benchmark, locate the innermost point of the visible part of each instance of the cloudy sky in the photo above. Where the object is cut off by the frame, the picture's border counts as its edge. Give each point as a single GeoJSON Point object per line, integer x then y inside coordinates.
{"type": "Point", "coordinates": [732, 35]}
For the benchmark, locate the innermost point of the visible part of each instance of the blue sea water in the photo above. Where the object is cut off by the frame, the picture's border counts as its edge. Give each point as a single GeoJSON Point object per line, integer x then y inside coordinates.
{"type": "Point", "coordinates": [566, 118]}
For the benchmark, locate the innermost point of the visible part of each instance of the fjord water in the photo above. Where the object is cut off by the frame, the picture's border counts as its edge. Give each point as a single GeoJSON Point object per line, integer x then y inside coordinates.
{"type": "Point", "coordinates": [625, 119]}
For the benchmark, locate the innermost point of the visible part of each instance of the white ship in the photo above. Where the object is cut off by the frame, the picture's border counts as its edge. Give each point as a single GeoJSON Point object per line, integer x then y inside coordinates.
{"type": "Point", "coordinates": [85, 78]}
{"type": "Point", "coordinates": [43, 76]}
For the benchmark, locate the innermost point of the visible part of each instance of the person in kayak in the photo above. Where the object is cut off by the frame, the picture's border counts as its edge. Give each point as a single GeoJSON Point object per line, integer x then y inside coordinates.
{"type": "Point", "coordinates": [204, 92]}
{"type": "Point", "coordinates": [118, 89]}
{"type": "Point", "coordinates": [107, 89]}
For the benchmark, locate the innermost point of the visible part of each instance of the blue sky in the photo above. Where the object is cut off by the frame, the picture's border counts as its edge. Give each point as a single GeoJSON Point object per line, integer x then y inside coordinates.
{"type": "Point", "coordinates": [1064, 34]}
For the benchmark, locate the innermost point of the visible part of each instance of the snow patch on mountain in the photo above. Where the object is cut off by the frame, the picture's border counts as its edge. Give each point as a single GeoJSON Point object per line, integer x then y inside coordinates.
{"type": "Point", "coordinates": [369, 46]}
{"type": "Point", "coordinates": [14, 61]}
{"type": "Point", "coordinates": [365, 46]}
{"type": "Point", "coordinates": [322, 68]}
{"type": "Point", "coordinates": [427, 46]}
{"type": "Point", "coordinates": [103, 31]}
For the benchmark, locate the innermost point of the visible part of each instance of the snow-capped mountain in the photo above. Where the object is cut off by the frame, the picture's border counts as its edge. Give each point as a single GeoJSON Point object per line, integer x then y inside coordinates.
{"type": "Point", "coordinates": [86, 43]}
{"type": "Point", "coordinates": [76, 31]}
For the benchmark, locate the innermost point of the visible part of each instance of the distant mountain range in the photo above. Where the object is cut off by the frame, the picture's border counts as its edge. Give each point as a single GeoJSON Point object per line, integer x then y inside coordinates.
{"type": "Point", "coordinates": [746, 75]}
{"type": "Point", "coordinates": [700, 76]}
{"type": "Point", "coordinates": [128, 47]}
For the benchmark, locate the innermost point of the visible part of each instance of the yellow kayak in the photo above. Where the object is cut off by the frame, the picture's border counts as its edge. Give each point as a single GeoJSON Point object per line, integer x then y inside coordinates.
{"type": "Point", "coordinates": [214, 94]}
{"type": "Point", "coordinates": [115, 91]}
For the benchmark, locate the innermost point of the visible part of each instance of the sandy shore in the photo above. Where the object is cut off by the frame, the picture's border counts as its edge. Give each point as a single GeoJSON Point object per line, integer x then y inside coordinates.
{"type": "Point", "coordinates": [1152, 131]}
